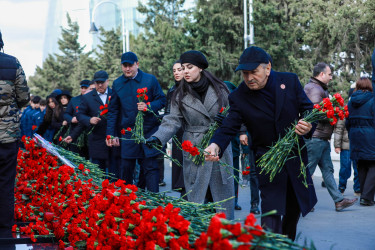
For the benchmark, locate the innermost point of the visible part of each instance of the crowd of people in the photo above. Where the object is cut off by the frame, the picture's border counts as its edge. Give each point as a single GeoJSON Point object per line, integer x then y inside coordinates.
{"type": "Point", "coordinates": [98, 124]}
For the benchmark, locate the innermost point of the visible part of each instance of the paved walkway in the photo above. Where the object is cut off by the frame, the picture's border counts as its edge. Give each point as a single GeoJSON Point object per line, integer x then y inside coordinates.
{"type": "Point", "coordinates": [351, 229]}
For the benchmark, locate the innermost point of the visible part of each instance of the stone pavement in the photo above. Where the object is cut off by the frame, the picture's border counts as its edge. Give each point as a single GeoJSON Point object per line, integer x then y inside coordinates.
{"type": "Point", "coordinates": [351, 229]}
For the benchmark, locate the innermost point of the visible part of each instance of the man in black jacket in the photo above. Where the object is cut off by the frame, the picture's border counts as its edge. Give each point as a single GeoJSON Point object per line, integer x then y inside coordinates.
{"type": "Point", "coordinates": [90, 115]}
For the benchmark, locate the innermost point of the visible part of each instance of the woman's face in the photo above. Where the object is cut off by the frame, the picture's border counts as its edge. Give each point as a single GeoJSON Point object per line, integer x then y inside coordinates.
{"type": "Point", "coordinates": [178, 72]}
{"type": "Point", "coordinates": [64, 100]}
{"type": "Point", "coordinates": [51, 104]}
{"type": "Point", "coordinates": [191, 72]}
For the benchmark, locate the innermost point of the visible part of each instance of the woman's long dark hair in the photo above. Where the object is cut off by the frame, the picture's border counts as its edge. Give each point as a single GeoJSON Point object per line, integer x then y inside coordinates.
{"type": "Point", "coordinates": [53, 112]}
{"type": "Point", "coordinates": [219, 86]}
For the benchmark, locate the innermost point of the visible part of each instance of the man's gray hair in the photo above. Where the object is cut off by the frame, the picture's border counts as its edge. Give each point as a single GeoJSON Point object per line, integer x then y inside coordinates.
{"type": "Point", "coordinates": [318, 68]}
{"type": "Point", "coordinates": [264, 65]}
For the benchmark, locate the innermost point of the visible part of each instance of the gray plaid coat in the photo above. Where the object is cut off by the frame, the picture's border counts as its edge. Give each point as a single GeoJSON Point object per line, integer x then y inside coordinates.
{"type": "Point", "coordinates": [195, 118]}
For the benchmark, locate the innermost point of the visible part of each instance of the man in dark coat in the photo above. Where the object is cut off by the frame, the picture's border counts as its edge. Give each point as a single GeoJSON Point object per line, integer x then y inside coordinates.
{"type": "Point", "coordinates": [268, 102]}
{"type": "Point", "coordinates": [70, 115]}
{"type": "Point", "coordinates": [125, 106]}
{"type": "Point", "coordinates": [92, 105]}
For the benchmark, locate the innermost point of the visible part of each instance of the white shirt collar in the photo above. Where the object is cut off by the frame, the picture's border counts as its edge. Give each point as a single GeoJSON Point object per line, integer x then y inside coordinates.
{"type": "Point", "coordinates": [105, 93]}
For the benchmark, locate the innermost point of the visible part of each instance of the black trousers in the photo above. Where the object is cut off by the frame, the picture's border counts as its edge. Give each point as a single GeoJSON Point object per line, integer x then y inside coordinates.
{"type": "Point", "coordinates": [148, 176]}
{"type": "Point", "coordinates": [8, 164]}
{"type": "Point", "coordinates": [366, 174]}
{"type": "Point", "coordinates": [286, 224]}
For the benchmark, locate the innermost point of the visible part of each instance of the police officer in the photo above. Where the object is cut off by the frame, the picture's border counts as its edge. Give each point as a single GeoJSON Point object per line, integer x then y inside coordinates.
{"type": "Point", "coordinates": [14, 94]}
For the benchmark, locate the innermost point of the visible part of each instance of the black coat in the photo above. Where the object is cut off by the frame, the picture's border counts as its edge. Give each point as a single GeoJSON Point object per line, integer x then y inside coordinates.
{"type": "Point", "coordinates": [90, 107]}
{"type": "Point", "coordinates": [360, 125]}
{"type": "Point", "coordinates": [177, 171]}
{"type": "Point", "coordinates": [248, 107]}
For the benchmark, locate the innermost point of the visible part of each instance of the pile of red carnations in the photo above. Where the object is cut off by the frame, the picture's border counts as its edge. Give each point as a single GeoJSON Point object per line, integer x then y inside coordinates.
{"type": "Point", "coordinates": [83, 215]}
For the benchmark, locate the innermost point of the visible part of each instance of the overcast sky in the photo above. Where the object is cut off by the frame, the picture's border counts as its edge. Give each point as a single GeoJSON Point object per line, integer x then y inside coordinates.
{"type": "Point", "coordinates": [23, 24]}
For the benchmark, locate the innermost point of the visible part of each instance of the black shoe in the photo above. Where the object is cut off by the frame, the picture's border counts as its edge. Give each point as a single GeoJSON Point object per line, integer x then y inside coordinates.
{"type": "Point", "coordinates": [254, 209]}
{"type": "Point", "coordinates": [323, 184]}
{"type": "Point", "coordinates": [365, 202]}
{"type": "Point", "coordinates": [237, 207]}
{"type": "Point", "coordinates": [162, 183]}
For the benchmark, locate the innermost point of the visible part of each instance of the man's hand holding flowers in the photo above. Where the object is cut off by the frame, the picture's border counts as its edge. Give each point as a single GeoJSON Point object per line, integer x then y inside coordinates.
{"type": "Point", "coordinates": [68, 139]}
{"type": "Point", "coordinates": [112, 141]}
{"type": "Point", "coordinates": [303, 127]}
{"type": "Point", "coordinates": [142, 106]}
{"type": "Point", "coordinates": [211, 153]}
{"type": "Point", "coordinates": [95, 120]}
{"type": "Point", "coordinates": [244, 139]}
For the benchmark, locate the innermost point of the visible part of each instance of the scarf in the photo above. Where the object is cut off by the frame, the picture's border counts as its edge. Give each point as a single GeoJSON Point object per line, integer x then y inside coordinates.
{"type": "Point", "coordinates": [200, 88]}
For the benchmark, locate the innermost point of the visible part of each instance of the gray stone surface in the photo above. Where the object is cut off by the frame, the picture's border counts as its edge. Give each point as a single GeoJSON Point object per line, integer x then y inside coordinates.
{"type": "Point", "coordinates": [351, 229]}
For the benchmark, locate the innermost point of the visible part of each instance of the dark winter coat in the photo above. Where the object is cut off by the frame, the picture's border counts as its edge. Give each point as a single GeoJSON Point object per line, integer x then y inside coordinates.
{"type": "Point", "coordinates": [123, 106]}
{"type": "Point", "coordinates": [360, 125]}
{"type": "Point", "coordinates": [14, 94]}
{"type": "Point", "coordinates": [90, 107]}
{"type": "Point", "coordinates": [266, 127]}
{"type": "Point", "coordinates": [49, 129]}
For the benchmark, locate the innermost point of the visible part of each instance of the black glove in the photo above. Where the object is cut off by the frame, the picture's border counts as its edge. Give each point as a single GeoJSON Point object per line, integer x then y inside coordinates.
{"type": "Point", "coordinates": [219, 118]}
{"type": "Point", "coordinates": [153, 141]}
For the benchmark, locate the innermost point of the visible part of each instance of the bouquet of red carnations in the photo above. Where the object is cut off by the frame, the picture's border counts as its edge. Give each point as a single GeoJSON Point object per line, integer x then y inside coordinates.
{"type": "Point", "coordinates": [274, 159]}
{"type": "Point", "coordinates": [138, 127]}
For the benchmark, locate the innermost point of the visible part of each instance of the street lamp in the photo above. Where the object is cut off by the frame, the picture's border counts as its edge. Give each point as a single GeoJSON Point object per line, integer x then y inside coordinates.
{"type": "Point", "coordinates": [94, 30]}
{"type": "Point", "coordinates": [248, 37]}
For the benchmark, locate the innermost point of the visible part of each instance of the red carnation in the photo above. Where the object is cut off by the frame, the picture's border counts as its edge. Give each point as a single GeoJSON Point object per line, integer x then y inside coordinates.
{"type": "Point", "coordinates": [81, 167]}
{"type": "Point", "coordinates": [60, 138]}
{"type": "Point", "coordinates": [129, 129]}
{"type": "Point", "coordinates": [221, 110]}
{"type": "Point", "coordinates": [109, 137]}
{"type": "Point", "coordinates": [245, 172]}
{"type": "Point", "coordinates": [34, 127]}
{"type": "Point", "coordinates": [48, 216]}
{"type": "Point", "coordinates": [104, 112]}
{"type": "Point", "coordinates": [101, 107]}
